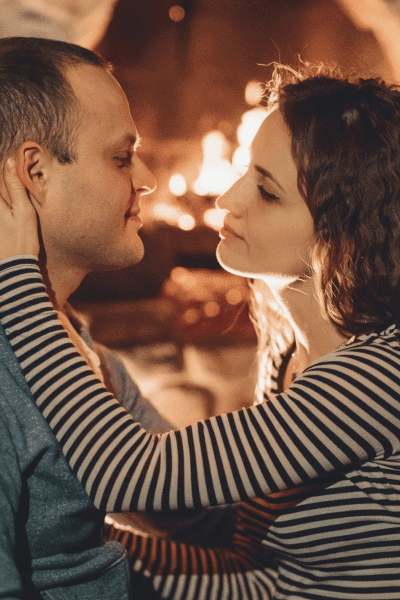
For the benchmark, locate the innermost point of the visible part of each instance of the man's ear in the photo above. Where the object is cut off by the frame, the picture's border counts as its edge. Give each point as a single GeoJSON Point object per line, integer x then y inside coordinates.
{"type": "Point", "coordinates": [32, 162]}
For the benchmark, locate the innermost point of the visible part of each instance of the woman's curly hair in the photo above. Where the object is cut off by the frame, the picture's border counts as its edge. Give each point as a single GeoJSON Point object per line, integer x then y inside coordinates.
{"type": "Point", "coordinates": [346, 145]}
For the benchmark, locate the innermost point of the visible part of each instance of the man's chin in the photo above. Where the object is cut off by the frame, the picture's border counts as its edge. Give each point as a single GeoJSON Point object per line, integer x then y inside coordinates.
{"type": "Point", "coordinates": [128, 259]}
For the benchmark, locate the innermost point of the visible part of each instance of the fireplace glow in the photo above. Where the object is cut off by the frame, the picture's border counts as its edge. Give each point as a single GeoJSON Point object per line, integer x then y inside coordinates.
{"type": "Point", "coordinates": [216, 174]}
{"type": "Point", "coordinates": [177, 185]}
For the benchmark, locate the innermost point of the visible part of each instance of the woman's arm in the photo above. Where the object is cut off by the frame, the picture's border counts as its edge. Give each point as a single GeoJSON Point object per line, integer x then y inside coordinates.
{"type": "Point", "coordinates": [342, 411]}
{"type": "Point", "coordinates": [242, 567]}
{"type": "Point", "coordinates": [179, 571]}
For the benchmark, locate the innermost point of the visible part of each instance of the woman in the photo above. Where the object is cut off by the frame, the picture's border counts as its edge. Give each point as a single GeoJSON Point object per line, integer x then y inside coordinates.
{"type": "Point", "coordinates": [316, 219]}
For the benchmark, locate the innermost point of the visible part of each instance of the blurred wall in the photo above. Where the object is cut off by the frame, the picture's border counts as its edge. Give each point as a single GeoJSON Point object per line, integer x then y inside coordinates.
{"type": "Point", "coordinates": [184, 78]}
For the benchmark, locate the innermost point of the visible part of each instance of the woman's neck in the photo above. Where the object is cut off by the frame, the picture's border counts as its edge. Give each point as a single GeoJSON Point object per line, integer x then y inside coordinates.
{"type": "Point", "coordinates": [315, 335]}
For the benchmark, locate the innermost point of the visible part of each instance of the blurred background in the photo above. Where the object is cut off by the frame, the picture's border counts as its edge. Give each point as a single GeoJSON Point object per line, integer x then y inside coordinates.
{"type": "Point", "coordinates": [193, 73]}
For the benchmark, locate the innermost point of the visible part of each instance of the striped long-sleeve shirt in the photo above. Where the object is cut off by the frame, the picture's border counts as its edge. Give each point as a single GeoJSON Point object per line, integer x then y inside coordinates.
{"type": "Point", "coordinates": [335, 432]}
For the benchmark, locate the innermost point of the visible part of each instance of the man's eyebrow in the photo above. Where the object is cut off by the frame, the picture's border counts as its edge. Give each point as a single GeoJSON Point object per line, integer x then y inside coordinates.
{"type": "Point", "coordinates": [130, 139]}
{"type": "Point", "coordinates": [266, 173]}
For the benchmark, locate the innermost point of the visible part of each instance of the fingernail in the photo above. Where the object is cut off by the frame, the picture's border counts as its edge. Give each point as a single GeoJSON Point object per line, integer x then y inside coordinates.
{"type": "Point", "coordinates": [11, 163]}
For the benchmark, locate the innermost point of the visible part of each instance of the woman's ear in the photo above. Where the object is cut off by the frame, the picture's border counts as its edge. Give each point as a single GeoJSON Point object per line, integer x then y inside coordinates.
{"type": "Point", "coordinates": [31, 163]}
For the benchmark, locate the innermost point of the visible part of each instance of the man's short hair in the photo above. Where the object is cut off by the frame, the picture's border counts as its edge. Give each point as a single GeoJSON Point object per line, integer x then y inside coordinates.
{"type": "Point", "coordinates": [37, 103]}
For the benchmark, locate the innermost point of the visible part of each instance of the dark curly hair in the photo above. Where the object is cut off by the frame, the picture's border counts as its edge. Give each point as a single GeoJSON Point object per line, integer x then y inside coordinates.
{"type": "Point", "coordinates": [346, 145]}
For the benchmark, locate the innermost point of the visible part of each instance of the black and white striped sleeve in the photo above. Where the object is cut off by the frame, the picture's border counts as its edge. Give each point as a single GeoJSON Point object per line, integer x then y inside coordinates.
{"type": "Point", "coordinates": [178, 571]}
{"type": "Point", "coordinates": [343, 410]}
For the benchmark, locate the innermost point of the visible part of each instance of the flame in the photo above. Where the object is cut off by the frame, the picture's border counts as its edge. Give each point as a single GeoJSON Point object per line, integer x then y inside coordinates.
{"type": "Point", "coordinates": [241, 160]}
{"type": "Point", "coordinates": [216, 174]}
{"type": "Point", "coordinates": [251, 121]}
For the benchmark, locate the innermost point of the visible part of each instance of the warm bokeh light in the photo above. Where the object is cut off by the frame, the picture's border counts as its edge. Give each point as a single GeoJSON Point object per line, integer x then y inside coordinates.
{"type": "Point", "coordinates": [216, 174]}
{"type": "Point", "coordinates": [191, 316]}
{"type": "Point", "coordinates": [215, 146]}
{"type": "Point", "coordinates": [251, 121]}
{"type": "Point", "coordinates": [177, 185]}
{"type": "Point", "coordinates": [211, 309]}
{"type": "Point", "coordinates": [166, 212]}
{"type": "Point", "coordinates": [213, 217]}
{"type": "Point", "coordinates": [186, 222]}
{"type": "Point", "coordinates": [234, 296]}
{"type": "Point", "coordinates": [253, 93]}
{"type": "Point", "coordinates": [176, 13]}
{"type": "Point", "coordinates": [183, 277]}
{"type": "Point", "coordinates": [215, 179]}
{"type": "Point", "coordinates": [241, 160]}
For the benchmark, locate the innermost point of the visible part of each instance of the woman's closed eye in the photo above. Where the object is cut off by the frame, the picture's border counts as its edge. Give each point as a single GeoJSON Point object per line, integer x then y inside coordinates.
{"type": "Point", "coordinates": [266, 195]}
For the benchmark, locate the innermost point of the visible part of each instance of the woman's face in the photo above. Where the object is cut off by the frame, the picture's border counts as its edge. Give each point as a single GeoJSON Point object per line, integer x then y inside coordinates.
{"type": "Point", "coordinates": [268, 229]}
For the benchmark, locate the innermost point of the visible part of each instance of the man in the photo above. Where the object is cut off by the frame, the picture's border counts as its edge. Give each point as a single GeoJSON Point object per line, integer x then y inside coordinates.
{"type": "Point", "coordinates": [67, 122]}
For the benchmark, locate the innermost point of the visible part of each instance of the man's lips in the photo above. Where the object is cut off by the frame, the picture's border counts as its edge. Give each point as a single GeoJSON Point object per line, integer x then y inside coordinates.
{"type": "Point", "coordinates": [132, 213]}
{"type": "Point", "coordinates": [228, 232]}
{"type": "Point", "coordinates": [133, 210]}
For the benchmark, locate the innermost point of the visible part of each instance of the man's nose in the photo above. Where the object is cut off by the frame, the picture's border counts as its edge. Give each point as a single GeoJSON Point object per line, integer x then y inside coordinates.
{"type": "Point", "coordinates": [143, 180]}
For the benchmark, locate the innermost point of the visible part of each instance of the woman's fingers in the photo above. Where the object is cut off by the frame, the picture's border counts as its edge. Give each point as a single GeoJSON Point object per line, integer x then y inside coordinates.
{"type": "Point", "coordinates": [18, 197]}
{"type": "Point", "coordinates": [18, 219]}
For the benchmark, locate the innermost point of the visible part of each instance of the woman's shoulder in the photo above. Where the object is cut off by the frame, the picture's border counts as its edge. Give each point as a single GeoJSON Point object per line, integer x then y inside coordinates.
{"type": "Point", "coordinates": [379, 350]}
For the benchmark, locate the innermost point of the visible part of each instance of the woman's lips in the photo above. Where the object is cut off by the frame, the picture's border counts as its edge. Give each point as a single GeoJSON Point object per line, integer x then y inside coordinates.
{"type": "Point", "coordinates": [227, 232]}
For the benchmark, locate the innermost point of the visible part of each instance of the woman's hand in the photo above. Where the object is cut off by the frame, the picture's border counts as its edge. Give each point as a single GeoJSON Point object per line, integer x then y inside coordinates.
{"type": "Point", "coordinates": [18, 219]}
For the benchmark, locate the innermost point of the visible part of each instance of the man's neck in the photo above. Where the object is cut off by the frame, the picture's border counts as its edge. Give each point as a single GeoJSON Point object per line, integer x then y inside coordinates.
{"type": "Point", "coordinates": [60, 279]}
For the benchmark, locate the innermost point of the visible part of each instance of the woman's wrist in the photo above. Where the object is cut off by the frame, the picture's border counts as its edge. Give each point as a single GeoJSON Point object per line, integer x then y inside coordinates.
{"type": "Point", "coordinates": [13, 261]}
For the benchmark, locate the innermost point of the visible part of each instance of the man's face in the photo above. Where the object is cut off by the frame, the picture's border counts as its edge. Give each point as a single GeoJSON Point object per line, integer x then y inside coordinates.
{"type": "Point", "coordinates": [90, 217]}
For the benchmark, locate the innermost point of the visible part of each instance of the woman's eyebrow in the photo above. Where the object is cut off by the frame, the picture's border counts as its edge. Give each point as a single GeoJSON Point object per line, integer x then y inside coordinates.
{"type": "Point", "coordinates": [266, 173]}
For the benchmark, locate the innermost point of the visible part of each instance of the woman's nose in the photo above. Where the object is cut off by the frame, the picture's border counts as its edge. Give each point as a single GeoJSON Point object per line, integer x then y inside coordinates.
{"type": "Point", "coordinates": [143, 179]}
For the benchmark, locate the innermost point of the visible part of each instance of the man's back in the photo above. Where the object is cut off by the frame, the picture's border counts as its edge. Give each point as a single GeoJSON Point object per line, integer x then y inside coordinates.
{"type": "Point", "coordinates": [49, 529]}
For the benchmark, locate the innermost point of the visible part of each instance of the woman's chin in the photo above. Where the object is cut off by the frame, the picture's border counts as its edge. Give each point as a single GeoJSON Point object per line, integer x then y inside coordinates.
{"type": "Point", "coordinates": [228, 264]}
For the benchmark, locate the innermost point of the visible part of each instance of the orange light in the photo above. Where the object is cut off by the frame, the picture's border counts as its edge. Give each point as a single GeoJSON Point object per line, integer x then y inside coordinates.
{"type": "Point", "coordinates": [234, 296]}
{"type": "Point", "coordinates": [251, 121]}
{"type": "Point", "coordinates": [176, 13]}
{"type": "Point", "coordinates": [186, 222]}
{"type": "Point", "coordinates": [253, 93]}
{"type": "Point", "coordinates": [211, 309]}
{"type": "Point", "coordinates": [191, 316]}
{"type": "Point", "coordinates": [216, 174]}
{"type": "Point", "coordinates": [166, 212]}
{"type": "Point", "coordinates": [177, 185]}
{"type": "Point", "coordinates": [215, 179]}
{"type": "Point", "coordinates": [214, 218]}
{"type": "Point", "coordinates": [241, 160]}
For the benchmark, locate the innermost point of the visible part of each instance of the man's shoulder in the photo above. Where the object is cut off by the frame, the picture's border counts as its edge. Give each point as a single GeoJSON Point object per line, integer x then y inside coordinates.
{"type": "Point", "coordinates": [20, 419]}
{"type": "Point", "coordinates": [125, 389]}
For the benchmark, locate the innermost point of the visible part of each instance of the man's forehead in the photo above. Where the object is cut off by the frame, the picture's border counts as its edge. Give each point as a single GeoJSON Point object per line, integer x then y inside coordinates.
{"type": "Point", "coordinates": [103, 104]}
{"type": "Point", "coordinates": [97, 91]}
